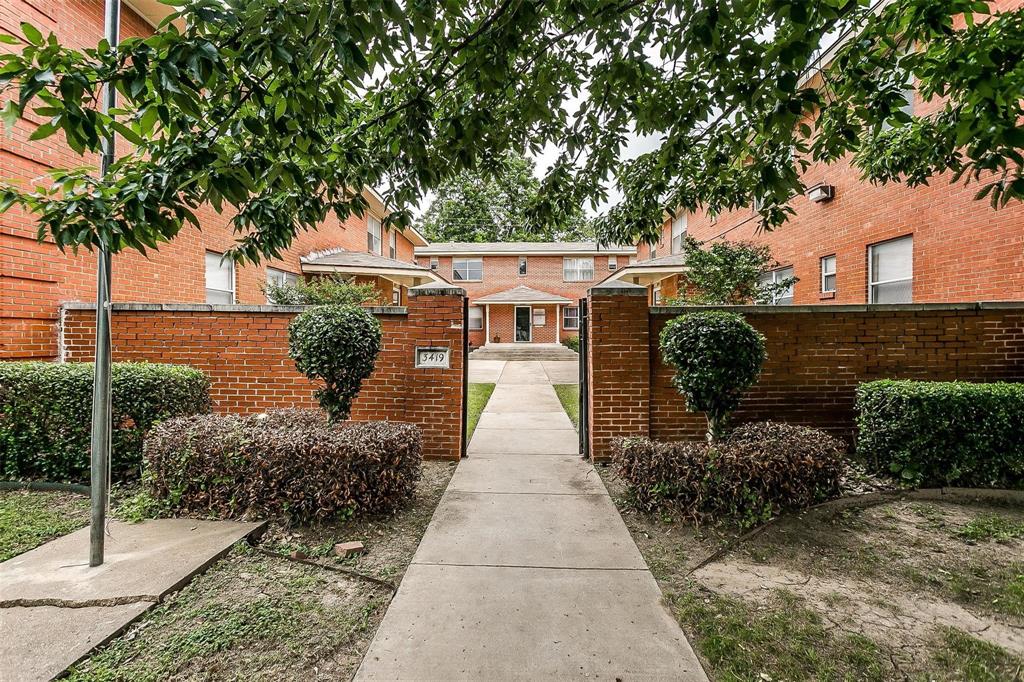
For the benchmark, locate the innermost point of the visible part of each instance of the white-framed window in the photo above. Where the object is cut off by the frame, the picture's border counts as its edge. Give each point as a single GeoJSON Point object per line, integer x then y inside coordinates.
{"type": "Point", "coordinates": [392, 244]}
{"type": "Point", "coordinates": [275, 276]}
{"type": "Point", "coordinates": [539, 317]}
{"type": "Point", "coordinates": [372, 235]}
{"type": "Point", "coordinates": [828, 274]}
{"type": "Point", "coordinates": [656, 294]}
{"type": "Point", "coordinates": [891, 271]}
{"type": "Point", "coordinates": [678, 233]}
{"type": "Point", "coordinates": [784, 297]}
{"type": "Point", "coordinates": [220, 278]}
{"type": "Point", "coordinates": [468, 269]}
{"type": "Point", "coordinates": [578, 269]}
{"type": "Point", "coordinates": [396, 296]}
{"type": "Point", "coordinates": [433, 263]}
{"type": "Point", "coordinates": [522, 266]}
{"type": "Point", "coordinates": [571, 318]}
{"type": "Point", "coordinates": [476, 317]}
{"type": "Point", "coordinates": [613, 263]}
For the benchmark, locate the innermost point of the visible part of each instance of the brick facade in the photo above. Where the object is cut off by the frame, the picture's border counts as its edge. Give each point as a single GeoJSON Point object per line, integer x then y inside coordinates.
{"type": "Point", "coordinates": [244, 350]}
{"type": "Point", "coordinates": [817, 355]}
{"type": "Point", "coordinates": [35, 278]}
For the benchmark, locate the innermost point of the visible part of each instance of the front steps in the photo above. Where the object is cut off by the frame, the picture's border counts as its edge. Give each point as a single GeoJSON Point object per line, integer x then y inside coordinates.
{"type": "Point", "coordinates": [524, 351]}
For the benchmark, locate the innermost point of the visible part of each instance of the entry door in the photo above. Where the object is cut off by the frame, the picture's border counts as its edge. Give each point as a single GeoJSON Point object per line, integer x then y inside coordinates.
{"type": "Point", "coordinates": [523, 330]}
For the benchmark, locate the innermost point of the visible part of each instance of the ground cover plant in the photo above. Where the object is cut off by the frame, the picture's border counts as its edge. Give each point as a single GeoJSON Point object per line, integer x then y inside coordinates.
{"type": "Point", "coordinates": [569, 396]}
{"type": "Point", "coordinates": [274, 617]}
{"type": "Point", "coordinates": [717, 356]}
{"type": "Point", "coordinates": [479, 394]}
{"type": "Point", "coordinates": [46, 413]}
{"type": "Point", "coordinates": [28, 518]}
{"type": "Point", "coordinates": [896, 590]}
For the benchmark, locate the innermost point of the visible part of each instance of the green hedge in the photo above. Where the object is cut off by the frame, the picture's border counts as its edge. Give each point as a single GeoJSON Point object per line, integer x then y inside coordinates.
{"type": "Point", "coordinates": [46, 413]}
{"type": "Point", "coordinates": [932, 433]}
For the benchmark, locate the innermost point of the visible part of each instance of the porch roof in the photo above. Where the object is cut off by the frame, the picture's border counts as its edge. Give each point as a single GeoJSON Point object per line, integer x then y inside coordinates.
{"type": "Point", "coordinates": [358, 263]}
{"type": "Point", "coordinates": [650, 271]}
{"type": "Point", "coordinates": [522, 295]}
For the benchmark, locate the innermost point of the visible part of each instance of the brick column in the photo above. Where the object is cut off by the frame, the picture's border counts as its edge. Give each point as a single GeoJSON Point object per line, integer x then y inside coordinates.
{"type": "Point", "coordinates": [434, 397]}
{"type": "Point", "coordinates": [619, 365]}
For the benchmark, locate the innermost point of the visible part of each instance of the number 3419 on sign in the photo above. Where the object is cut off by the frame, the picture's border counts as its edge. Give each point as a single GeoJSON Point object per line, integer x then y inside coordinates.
{"type": "Point", "coordinates": [432, 357]}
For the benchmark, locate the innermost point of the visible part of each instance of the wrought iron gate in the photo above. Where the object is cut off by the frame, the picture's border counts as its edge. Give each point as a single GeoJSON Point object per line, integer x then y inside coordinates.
{"type": "Point", "coordinates": [584, 335]}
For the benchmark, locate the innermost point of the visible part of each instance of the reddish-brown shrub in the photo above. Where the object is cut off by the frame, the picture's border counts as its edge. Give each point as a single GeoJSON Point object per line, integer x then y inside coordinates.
{"type": "Point", "coordinates": [755, 473]}
{"type": "Point", "coordinates": [287, 464]}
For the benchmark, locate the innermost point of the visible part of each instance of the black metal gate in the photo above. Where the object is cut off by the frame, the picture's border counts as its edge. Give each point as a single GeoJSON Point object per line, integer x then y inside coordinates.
{"type": "Point", "coordinates": [465, 371]}
{"type": "Point", "coordinates": [584, 334]}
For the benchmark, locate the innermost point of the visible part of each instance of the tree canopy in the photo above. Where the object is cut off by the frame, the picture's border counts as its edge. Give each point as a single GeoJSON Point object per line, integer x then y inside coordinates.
{"type": "Point", "coordinates": [729, 273]}
{"type": "Point", "coordinates": [279, 111]}
{"type": "Point", "coordinates": [475, 206]}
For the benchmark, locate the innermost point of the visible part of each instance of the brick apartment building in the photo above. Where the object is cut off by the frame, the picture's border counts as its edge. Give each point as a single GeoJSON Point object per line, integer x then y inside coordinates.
{"type": "Point", "coordinates": [523, 292]}
{"type": "Point", "coordinates": [35, 278]}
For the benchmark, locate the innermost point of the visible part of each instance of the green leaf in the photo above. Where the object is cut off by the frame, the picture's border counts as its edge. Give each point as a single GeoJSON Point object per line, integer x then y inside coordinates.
{"type": "Point", "coordinates": [32, 34]}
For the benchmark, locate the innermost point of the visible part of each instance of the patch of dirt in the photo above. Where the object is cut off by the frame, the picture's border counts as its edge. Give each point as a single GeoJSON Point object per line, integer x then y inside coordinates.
{"type": "Point", "coordinates": [898, 573]}
{"type": "Point", "coordinates": [259, 617]}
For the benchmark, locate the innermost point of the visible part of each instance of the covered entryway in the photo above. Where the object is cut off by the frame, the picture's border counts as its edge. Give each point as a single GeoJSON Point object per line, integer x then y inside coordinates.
{"type": "Point", "coordinates": [522, 315]}
{"type": "Point", "coordinates": [524, 329]}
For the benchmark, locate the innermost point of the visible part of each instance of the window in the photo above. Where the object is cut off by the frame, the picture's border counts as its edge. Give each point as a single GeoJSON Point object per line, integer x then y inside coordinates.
{"type": "Point", "coordinates": [678, 233]}
{"type": "Point", "coordinates": [396, 296]}
{"type": "Point", "coordinates": [280, 278]}
{"type": "Point", "coordinates": [392, 244]}
{"type": "Point", "coordinates": [613, 263]}
{"type": "Point", "coordinates": [433, 263]}
{"type": "Point", "coordinates": [372, 235]}
{"type": "Point", "coordinates": [656, 294]}
{"type": "Point", "coordinates": [784, 297]}
{"type": "Point", "coordinates": [220, 279]}
{"type": "Point", "coordinates": [468, 269]}
{"type": "Point", "coordinates": [571, 318]}
{"type": "Point", "coordinates": [891, 271]}
{"type": "Point", "coordinates": [539, 317]}
{"type": "Point", "coordinates": [828, 275]}
{"type": "Point", "coordinates": [577, 269]}
{"type": "Point", "coordinates": [522, 266]}
{"type": "Point", "coordinates": [476, 317]}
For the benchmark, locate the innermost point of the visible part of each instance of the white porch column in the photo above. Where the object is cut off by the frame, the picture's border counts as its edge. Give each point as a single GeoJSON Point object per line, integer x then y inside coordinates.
{"type": "Point", "coordinates": [558, 323]}
{"type": "Point", "coordinates": [487, 323]}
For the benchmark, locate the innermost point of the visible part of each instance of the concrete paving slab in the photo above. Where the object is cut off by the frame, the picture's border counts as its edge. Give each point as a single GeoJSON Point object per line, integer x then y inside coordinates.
{"type": "Point", "coordinates": [486, 623]}
{"type": "Point", "coordinates": [485, 371]}
{"type": "Point", "coordinates": [551, 531]}
{"type": "Point", "coordinates": [562, 372]}
{"type": "Point", "coordinates": [529, 372]}
{"type": "Point", "coordinates": [142, 559]}
{"type": "Point", "coordinates": [567, 475]}
{"type": "Point", "coordinates": [41, 642]}
{"type": "Point", "coordinates": [524, 399]}
{"type": "Point", "coordinates": [530, 420]}
{"type": "Point", "coordinates": [525, 441]}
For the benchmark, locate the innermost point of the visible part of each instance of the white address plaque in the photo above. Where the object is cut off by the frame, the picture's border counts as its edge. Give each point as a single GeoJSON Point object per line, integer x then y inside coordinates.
{"type": "Point", "coordinates": [432, 357]}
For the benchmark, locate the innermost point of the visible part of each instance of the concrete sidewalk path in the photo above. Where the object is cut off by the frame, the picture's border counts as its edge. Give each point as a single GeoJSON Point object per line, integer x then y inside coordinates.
{"type": "Point", "coordinates": [527, 571]}
{"type": "Point", "coordinates": [55, 609]}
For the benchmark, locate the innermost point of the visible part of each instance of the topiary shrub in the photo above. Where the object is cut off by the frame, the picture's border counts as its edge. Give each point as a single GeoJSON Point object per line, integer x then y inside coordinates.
{"type": "Point", "coordinates": [758, 471]}
{"type": "Point", "coordinates": [932, 433]}
{"type": "Point", "coordinates": [46, 415]}
{"type": "Point", "coordinates": [292, 464]}
{"type": "Point", "coordinates": [338, 345]}
{"type": "Point", "coordinates": [717, 356]}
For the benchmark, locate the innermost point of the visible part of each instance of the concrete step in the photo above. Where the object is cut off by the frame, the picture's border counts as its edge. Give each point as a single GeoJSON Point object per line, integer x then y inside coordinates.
{"type": "Point", "coordinates": [524, 353]}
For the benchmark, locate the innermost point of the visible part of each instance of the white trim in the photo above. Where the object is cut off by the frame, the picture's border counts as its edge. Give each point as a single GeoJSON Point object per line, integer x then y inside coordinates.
{"type": "Point", "coordinates": [554, 251]}
{"type": "Point", "coordinates": [558, 323]}
{"type": "Point", "coordinates": [835, 269]}
{"type": "Point", "coordinates": [515, 313]}
{"type": "Point", "coordinates": [871, 273]}
{"type": "Point", "coordinates": [487, 323]}
{"type": "Point", "coordinates": [372, 271]}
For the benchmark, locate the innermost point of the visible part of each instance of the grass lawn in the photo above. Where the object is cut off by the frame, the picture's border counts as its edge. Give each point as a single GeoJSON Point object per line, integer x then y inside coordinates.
{"type": "Point", "coordinates": [479, 394]}
{"type": "Point", "coordinates": [904, 590]}
{"type": "Point", "coordinates": [28, 518]}
{"type": "Point", "coordinates": [254, 616]}
{"type": "Point", "coordinates": [569, 394]}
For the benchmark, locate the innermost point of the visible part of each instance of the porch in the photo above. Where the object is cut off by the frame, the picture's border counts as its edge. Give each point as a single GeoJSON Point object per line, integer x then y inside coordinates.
{"type": "Point", "coordinates": [522, 315]}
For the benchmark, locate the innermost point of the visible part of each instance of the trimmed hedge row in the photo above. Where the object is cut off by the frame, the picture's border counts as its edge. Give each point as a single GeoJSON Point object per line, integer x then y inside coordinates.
{"type": "Point", "coordinates": [287, 463]}
{"type": "Point", "coordinates": [932, 433]}
{"type": "Point", "coordinates": [46, 414]}
{"type": "Point", "coordinates": [753, 474]}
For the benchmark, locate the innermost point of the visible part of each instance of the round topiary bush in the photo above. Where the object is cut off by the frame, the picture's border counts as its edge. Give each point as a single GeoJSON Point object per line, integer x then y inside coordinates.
{"type": "Point", "coordinates": [336, 344]}
{"type": "Point", "coordinates": [717, 356]}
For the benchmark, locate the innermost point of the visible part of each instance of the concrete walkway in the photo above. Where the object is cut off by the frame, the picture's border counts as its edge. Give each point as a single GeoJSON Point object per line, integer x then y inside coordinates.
{"type": "Point", "coordinates": [55, 609]}
{"type": "Point", "coordinates": [527, 570]}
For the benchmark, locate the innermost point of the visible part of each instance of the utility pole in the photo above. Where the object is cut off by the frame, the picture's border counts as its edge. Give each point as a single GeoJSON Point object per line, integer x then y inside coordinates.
{"type": "Point", "coordinates": [99, 472]}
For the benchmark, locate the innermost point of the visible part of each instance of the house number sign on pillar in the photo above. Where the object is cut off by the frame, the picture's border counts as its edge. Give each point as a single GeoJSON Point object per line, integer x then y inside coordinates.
{"type": "Point", "coordinates": [432, 357]}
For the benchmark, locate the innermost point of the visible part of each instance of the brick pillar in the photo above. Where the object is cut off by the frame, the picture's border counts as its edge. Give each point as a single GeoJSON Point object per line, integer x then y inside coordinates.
{"type": "Point", "coordinates": [619, 365]}
{"type": "Point", "coordinates": [434, 396]}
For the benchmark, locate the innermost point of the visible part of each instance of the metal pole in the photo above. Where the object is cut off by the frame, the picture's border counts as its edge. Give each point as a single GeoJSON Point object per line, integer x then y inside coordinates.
{"type": "Point", "coordinates": [101, 412]}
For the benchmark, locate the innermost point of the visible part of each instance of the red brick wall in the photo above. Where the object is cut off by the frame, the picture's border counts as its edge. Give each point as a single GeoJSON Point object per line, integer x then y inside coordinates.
{"type": "Point", "coordinates": [245, 352]}
{"type": "Point", "coordinates": [502, 325]}
{"type": "Point", "coordinates": [816, 358]}
{"type": "Point", "coordinates": [35, 278]}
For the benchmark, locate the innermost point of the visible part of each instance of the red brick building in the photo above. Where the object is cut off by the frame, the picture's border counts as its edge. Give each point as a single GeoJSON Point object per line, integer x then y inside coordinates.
{"type": "Point", "coordinates": [36, 278]}
{"type": "Point", "coordinates": [523, 292]}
